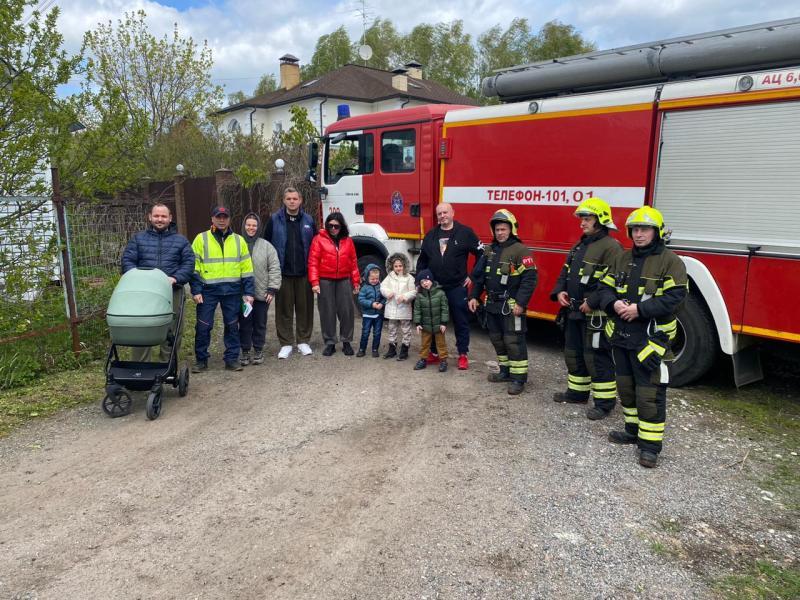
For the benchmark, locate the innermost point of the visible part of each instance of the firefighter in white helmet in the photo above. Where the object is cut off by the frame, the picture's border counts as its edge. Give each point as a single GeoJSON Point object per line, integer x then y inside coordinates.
{"type": "Point", "coordinates": [507, 273]}
{"type": "Point", "coordinates": [587, 351]}
{"type": "Point", "coordinates": [643, 290]}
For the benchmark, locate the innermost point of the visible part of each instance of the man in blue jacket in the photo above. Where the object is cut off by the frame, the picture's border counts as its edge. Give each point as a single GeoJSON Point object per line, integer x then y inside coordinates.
{"type": "Point", "coordinates": [160, 246]}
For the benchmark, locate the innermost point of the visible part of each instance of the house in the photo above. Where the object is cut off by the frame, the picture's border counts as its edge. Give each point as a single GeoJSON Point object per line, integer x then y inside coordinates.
{"type": "Point", "coordinates": [363, 89]}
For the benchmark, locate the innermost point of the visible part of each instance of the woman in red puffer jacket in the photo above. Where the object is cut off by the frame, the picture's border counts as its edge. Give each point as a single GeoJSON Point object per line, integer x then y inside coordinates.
{"type": "Point", "coordinates": [334, 277]}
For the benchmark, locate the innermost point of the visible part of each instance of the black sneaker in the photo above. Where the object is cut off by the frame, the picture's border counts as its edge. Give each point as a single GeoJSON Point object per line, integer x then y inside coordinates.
{"type": "Point", "coordinates": [244, 358]}
{"type": "Point", "coordinates": [361, 352]}
{"type": "Point", "coordinates": [376, 353]}
{"type": "Point", "coordinates": [443, 365]}
{"type": "Point", "coordinates": [596, 414]}
{"type": "Point", "coordinates": [515, 388]}
{"type": "Point", "coordinates": [258, 357]}
{"type": "Point", "coordinates": [347, 349]}
{"type": "Point", "coordinates": [421, 364]}
{"type": "Point", "coordinates": [233, 366]}
{"type": "Point", "coordinates": [200, 367]}
{"type": "Point", "coordinates": [620, 436]}
{"type": "Point", "coordinates": [329, 350]}
{"type": "Point", "coordinates": [648, 459]}
{"type": "Point", "coordinates": [569, 398]}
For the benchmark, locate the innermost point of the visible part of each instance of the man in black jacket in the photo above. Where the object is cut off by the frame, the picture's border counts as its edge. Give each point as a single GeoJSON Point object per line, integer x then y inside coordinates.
{"type": "Point", "coordinates": [445, 250]}
{"type": "Point", "coordinates": [160, 246]}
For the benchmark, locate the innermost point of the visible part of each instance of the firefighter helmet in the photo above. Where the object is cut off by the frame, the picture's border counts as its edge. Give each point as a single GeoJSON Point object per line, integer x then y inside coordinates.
{"type": "Point", "coordinates": [599, 208]}
{"type": "Point", "coordinates": [646, 216]}
{"type": "Point", "coordinates": [504, 216]}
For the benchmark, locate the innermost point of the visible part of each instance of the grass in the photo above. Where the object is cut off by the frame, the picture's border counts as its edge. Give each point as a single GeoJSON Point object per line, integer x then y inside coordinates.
{"type": "Point", "coordinates": [47, 393]}
{"type": "Point", "coordinates": [765, 580]}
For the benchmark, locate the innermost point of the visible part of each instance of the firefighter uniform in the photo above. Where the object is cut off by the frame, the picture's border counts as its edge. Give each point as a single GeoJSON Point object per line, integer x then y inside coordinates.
{"type": "Point", "coordinates": [507, 273]}
{"type": "Point", "coordinates": [587, 351]}
{"type": "Point", "coordinates": [654, 278]}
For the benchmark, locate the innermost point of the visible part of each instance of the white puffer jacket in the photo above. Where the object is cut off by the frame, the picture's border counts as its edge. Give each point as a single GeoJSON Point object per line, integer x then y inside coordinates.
{"type": "Point", "coordinates": [398, 286]}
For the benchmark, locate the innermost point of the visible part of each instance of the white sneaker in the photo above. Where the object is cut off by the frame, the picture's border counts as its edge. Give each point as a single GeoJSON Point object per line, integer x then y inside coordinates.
{"type": "Point", "coordinates": [284, 352]}
{"type": "Point", "coordinates": [305, 349]}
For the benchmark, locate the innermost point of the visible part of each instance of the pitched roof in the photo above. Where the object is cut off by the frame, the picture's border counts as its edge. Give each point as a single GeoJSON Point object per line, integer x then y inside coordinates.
{"type": "Point", "coordinates": [357, 83]}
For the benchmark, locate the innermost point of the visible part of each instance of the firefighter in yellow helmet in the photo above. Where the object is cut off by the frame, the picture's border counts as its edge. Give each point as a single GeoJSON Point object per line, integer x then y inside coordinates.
{"type": "Point", "coordinates": [587, 351]}
{"type": "Point", "coordinates": [643, 290]}
{"type": "Point", "coordinates": [507, 273]}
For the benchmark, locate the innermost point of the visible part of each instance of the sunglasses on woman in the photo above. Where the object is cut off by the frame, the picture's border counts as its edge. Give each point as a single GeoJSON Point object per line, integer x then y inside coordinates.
{"type": "Point", "coordinates": [333, 226]}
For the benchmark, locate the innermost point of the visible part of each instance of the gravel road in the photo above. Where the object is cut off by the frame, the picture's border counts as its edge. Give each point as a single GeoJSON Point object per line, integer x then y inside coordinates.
{"type": "Point", "coordinates": [359, 478]}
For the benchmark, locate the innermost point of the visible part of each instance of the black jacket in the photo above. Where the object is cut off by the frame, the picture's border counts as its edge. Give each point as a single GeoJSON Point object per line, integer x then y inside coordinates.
{"type": "Point", "coordinates": [449, 269]}
{"type": "Point", "coordinates": [166, 250]}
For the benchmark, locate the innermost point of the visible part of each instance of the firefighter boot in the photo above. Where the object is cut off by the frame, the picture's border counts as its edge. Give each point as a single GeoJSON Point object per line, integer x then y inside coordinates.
{"type": "Point", "coordinates": [620, 436]}
{"type": "Point", "coordinates": [502, 377]}
{"type": "Point", "coordinates": [403, 352]}
{"type": "Point", "coordinates": [595, 414]}
{"type": "Point", "coordinates": [570, 398]}
{"type": "Point", "coordinates": [391, 352]}
{"type": "Point", "coordinates": [516, 387]}
{"type": "Point", "coordinates": [648, 459]}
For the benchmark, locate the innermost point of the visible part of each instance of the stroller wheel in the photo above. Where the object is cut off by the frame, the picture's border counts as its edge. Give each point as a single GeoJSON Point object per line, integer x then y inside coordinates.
{"type": "Point", "coordinates": [117, 404]}
{"type": "Point", "coordinates": [183, 382]}
{"type": "Point", "coordinates": [154, 405]}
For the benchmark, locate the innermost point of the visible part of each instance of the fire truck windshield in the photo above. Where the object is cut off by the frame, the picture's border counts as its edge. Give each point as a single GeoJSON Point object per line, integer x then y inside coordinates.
{"type": "Point", "coordinates": [352, 155]}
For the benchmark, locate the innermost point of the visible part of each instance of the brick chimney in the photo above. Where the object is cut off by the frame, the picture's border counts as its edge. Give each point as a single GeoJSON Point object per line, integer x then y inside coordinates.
{"type": "Point", "coordinates": [400, 80]}
{"type": "Point", "coordinates": [414, 69]}
{"type": "Point", "coordinates": [290, 71]}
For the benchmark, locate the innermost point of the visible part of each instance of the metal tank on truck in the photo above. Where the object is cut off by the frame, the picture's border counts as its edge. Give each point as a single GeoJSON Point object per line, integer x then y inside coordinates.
{"type": "Point", "coordinates": [701, 127]}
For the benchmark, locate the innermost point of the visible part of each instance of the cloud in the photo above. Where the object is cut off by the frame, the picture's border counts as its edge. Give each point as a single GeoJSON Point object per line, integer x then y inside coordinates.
{"type": "Point", "coordinates": [248, 36]}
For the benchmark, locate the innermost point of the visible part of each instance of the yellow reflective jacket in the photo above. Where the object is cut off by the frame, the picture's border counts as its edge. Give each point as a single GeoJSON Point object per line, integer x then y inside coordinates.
{"type": "Point", "coordinates": [222, 262]}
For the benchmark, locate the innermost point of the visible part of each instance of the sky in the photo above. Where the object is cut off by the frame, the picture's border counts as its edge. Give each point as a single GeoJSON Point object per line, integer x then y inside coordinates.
{"type": "Point", "coordinates": [248, 36]}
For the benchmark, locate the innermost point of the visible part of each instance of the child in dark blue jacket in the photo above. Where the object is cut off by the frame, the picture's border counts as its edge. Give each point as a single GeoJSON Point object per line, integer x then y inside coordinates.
{"type": "Point", "coordinates": [371, 302]}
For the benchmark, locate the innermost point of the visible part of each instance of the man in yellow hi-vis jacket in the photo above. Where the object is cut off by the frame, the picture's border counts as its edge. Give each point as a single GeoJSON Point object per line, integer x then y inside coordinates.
{"type": "Point", "coordinates": [223, 274]}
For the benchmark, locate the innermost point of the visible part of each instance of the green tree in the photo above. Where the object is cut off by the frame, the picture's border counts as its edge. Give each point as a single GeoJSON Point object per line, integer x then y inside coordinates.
{"type": "Point", "coordinates": [266, 84]}
{"type": "Point", "coordinates": [34, 125]}
{"type": "Point", "coordinates": [385, 42]}
{"type": "Point", "coordinates": [445, 51]}
{"type": "Point", "coordinates": [556, 39]}
{"type": "Point", "coordinates": [498, 49]}
{"type": "Point", "coordinates": [236, 97]}
{"type": "Point", "coordinates": [333, 50]}
{"type": "Point", "coordinates": [166, 78]}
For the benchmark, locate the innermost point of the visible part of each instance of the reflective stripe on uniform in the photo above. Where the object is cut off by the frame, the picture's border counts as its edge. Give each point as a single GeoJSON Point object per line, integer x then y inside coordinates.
{"type": "Point", "coordinates": [631, 414]}
{"type": "Point", "coordinates": [502, 360]}
{"type": "Point", "coordinates": [579, 383]}
{"type": "Point", "coordinates": [518, 367]}
{"type": "Point", "coordinates": [651, 432]}
{"type": "Point", "coordinates": [604, 389]}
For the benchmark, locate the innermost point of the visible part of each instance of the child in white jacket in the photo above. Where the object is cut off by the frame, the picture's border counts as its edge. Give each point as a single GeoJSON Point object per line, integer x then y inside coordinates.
{"type": "Point", "coordinates": [399, 290]}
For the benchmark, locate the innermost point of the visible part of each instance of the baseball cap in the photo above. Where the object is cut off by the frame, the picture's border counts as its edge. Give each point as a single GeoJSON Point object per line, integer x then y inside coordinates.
{"type": "Point", "coordinates": [220, 210]}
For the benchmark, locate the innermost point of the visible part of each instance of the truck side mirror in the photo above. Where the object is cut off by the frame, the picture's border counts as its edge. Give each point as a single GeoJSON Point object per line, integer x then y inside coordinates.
{"type": "Point", "coordinates": [313, 157]}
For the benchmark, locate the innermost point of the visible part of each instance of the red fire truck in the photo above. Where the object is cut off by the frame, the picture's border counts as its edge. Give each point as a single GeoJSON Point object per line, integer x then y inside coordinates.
{"type": "Point", "coordinates": [718, 154]}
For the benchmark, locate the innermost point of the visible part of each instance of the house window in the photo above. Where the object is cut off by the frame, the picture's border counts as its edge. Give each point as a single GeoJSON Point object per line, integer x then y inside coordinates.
{"type": "Point", "coordinates": [233, 126]}
{"type": "Point", "coordinates": [398, 151]}
{"type": "Point", "coordinates": [277, 126]}
{"type": "Point", "coordinates": [351, 155]}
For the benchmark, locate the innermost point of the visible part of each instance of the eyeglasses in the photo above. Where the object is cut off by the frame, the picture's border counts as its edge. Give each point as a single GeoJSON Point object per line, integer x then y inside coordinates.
{"type": "Point", "coordinates": [334, 226]}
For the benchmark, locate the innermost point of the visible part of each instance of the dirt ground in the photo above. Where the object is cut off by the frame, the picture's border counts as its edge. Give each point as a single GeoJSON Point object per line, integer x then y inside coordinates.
{"type": "Point", "coordinates": [340, 477]}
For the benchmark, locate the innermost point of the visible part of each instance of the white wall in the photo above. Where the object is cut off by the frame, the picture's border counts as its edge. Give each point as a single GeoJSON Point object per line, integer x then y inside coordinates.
{"type": "Point", "coordinates": [265, 120]}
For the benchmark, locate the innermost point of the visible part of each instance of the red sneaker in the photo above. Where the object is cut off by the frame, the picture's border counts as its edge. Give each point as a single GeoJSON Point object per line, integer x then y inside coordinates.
{"type": "Point", "coordinates": [432, 359]}
{"type": "Point", "coordinates": [463, 362]}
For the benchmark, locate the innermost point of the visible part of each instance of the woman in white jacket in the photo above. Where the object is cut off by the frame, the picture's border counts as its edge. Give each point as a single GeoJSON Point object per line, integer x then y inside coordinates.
{"type": "Point", "coordinates": [399, 290]}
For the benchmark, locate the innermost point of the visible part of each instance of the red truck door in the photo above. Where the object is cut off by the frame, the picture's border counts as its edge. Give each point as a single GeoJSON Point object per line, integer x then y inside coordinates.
{"type": "Point", "coordinates": [395, 195]}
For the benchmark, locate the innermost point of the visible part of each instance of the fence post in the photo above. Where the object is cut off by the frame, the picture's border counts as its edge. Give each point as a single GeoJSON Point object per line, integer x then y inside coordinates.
{"type": "Point", "coordinates": [69, 288]}
{"type": "Point", "coordinates": [180, 205]}
{"type": "Point", "coordinates": [222, 178]}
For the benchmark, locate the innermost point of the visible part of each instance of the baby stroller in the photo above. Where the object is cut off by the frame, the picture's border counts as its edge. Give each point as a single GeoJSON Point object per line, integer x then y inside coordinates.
{"type": "Point", "coordinates": [139, 314]}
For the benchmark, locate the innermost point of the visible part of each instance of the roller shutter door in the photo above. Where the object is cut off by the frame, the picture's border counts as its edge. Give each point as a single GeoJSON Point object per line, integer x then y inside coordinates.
{"type": "Point", "coordinates": [731, 175]}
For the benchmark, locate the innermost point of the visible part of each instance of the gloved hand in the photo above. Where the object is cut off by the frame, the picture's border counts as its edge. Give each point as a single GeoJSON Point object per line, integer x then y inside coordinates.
{"type": "Point", "coordinates": [651, 354]}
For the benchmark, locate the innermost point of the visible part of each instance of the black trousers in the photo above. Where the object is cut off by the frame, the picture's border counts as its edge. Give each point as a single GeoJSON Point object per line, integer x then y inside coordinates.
{"type": "Point", "coordinates": [253, 328]}
{"type": "Point", "coordinates": [590, 364]}
{"type": "Point", "coordinates": [643, 395]}
{"type": "Point", "coordinates": [507, 334]}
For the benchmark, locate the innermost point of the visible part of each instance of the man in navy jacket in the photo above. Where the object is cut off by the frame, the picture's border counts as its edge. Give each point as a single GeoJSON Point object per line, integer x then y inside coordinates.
{"type": "Point", "coordinates": [160, 246]}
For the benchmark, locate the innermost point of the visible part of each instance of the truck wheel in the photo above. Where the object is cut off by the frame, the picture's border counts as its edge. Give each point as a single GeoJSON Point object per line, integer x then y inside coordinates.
{"type": "Point", "coordinates": [695, 344]}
